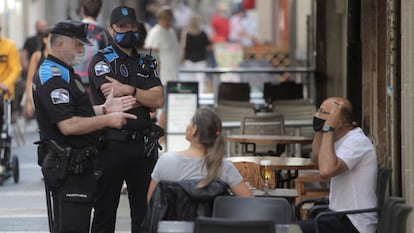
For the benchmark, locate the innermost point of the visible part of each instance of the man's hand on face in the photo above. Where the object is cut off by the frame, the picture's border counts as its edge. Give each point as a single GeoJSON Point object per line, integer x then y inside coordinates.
{"type": "Point", "coordinates": [335, 118]}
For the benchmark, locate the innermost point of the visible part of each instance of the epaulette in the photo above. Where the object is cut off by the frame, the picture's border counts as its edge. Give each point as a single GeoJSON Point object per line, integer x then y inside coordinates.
{"type": "Point", "coordinates": [106, 50]}
{"type": "Point", "coordinates": [49, 69]}
{"type": "Point", "coordinates": [56, 71]}
{"type": "Point", "coordinates": [109, 53]}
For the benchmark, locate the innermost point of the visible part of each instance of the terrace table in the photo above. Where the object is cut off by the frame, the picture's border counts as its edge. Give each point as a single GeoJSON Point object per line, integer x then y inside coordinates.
{"type": "Point", "coordinates": [280, 164]}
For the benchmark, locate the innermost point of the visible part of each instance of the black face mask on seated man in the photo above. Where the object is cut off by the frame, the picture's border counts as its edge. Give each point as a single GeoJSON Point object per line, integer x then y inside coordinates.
{"type": "Point", "coordinates": [318, 123]}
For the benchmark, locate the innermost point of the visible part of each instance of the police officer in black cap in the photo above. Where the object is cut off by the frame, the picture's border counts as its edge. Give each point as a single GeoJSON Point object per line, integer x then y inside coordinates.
{"type": "Point", "coordinates": [121, 68]}
{"type": "Point", "coordinates": [68, 123]}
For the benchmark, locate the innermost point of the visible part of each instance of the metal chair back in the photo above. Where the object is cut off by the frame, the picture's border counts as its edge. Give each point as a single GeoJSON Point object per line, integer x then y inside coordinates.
{"type": "Point", "coordinates": [268, 124]}
{"type": "Point", "coordinates": [277, 210]}
{"type": "Point", "coordinates": [220, 225]}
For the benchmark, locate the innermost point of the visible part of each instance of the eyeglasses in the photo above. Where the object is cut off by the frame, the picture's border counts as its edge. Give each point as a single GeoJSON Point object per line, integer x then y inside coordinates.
{"type": "Point", "coordinates": [321, 111]}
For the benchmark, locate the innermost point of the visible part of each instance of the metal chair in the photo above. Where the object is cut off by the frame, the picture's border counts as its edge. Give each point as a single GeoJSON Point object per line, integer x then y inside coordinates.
{"type": "Point", "coordinates": [392, 218]}
{"type": "Point", "coordinates": [220, 225]}
{"type": "Point", "coordinates": [277, 210]}
{"type": "Point", "coordinates": [268, 124]}
{"type": "Point", "coordinates": [383, 179]}
{"type": "Point", "coordinates": [283, 91]}
{"type": "Point", "coordinates": [401, 214]}
{"type": "Point", "coordinates": [231, 112]}
{"type": "Point", "coordinates": [234, 91]}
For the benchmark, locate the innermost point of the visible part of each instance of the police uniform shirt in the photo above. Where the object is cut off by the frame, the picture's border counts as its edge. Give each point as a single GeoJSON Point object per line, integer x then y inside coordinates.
{"type": "Point", "coordinates": [114, 63]}
{"type": "Point", "coordinates": [59, 95]}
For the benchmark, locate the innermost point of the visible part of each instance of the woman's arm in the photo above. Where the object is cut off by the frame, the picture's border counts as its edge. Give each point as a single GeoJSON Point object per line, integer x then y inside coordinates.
{"type": "Point", "coordinates": [241, 190]}
{"type": "Point", "coordinates": [33, 64]}
{"type": "Point", "coordinates": [151, 188]}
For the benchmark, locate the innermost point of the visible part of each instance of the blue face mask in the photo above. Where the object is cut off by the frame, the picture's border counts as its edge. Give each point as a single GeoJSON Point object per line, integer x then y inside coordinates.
{"type": "Point", "coordinates": [126, 39]}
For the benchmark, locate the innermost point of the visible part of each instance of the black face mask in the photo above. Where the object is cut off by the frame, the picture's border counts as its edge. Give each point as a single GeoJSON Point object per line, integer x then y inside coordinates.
{"type": "Point", "coordinates": [126, 39]}
{"type": "Point", "coordinates": [318, 124]}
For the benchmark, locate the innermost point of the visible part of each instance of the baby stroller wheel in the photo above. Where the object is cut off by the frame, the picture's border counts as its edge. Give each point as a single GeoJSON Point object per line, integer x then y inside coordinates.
{"type": "Point", "coordinates": [15, 167]}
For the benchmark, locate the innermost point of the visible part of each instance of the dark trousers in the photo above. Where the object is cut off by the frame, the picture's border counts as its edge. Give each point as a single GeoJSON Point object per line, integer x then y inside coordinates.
{"type": "Point", "coordinates": [122, 161]}
{"type": "Point", "coordinates": [329, 224]}
{"type": "Point", "coordinates": [72, 197]}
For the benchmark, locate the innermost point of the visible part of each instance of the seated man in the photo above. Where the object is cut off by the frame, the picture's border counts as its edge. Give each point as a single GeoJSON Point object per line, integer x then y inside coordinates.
{"type": "Point", "coordinates": [346, 155]}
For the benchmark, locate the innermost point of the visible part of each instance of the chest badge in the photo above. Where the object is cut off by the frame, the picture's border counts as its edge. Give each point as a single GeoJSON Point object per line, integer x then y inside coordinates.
{"type": "Point", "coordinates": [124, 70]}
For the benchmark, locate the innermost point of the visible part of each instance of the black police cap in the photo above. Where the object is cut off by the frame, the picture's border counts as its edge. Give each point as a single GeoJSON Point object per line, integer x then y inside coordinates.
{"type": "Point", "coordinates": [123, 14]}
{"type": "Point", "coordinates": [71, 28]}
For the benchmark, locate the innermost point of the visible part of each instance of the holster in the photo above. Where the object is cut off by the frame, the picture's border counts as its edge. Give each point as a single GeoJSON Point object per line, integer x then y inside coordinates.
{"type": "Point", "coordinates": [41, 151]}
{"type": "Point", "coordinates": [55, 163]}
{"type": "Point", "coordinates": [151, 141]}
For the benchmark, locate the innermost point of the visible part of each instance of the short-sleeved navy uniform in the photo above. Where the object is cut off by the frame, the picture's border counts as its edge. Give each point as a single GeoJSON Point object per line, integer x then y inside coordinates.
{"type": "Point", "coordinates": [123, 159]}
{"type": "Point", "coordinates": [59, 95]}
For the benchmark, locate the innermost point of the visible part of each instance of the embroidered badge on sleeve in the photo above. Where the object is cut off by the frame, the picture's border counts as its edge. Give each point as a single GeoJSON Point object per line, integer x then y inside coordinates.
{"type": "Point", "coordinates": [60, 96]}
{"type": "Point", "coordinates": [102, 68]}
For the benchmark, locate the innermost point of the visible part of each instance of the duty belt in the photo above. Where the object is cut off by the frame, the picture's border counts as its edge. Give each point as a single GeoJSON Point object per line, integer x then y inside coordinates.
{"type": "Point", "coordinates": [124, 135]}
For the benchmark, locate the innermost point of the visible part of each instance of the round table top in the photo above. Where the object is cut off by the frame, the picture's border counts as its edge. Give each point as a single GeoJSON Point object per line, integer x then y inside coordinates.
{"type": "Point", "coordinates": [269, 139]}
{"type": "Point", "coordinates": [278, 163]}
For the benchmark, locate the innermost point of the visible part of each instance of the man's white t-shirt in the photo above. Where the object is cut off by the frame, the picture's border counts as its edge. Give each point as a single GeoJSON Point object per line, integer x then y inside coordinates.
{"type": "Point", "coordinates": [166, 42]}
{"type": "Point", "coordinates": [356, 188]}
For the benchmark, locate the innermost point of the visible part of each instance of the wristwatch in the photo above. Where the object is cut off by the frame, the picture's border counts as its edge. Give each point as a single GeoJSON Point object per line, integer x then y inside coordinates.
{"type": "Point", "coordinates": [327, 128]}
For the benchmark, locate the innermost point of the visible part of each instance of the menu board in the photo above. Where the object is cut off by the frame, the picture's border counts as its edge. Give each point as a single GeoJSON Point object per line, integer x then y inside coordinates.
{"type": "Point", "coordinates": [182, 102]}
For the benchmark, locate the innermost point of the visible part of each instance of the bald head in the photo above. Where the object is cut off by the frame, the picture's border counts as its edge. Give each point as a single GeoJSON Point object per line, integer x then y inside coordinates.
{"type": "Point", "coordinates": [346, 112]}
{"type": "Point", "coordinates": [41, 26]}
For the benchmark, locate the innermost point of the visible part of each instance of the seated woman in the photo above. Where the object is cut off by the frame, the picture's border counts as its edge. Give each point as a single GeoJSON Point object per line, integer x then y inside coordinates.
{"type": "Point", "coordinates": [203, 160]}
{"type": "Point", "coordinates": [185, 183]}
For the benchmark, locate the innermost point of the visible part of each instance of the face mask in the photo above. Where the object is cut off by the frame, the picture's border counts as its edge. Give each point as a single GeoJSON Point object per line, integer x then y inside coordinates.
{"type": "Point", "coordinates": [318, 124]}
{"type": "Point", "coordinates": [126, 39]}
{"type": "Point", "coordinates": [78, 59]}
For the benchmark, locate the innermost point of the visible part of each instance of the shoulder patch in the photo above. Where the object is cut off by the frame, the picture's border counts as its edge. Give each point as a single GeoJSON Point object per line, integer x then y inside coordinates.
{"type": "Point", "coordinates": [60, 96]}
{"type": "Point", "coordinates": [102, 68]}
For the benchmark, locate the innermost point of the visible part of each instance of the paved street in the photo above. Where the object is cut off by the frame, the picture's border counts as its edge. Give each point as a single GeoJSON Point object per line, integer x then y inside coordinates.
{"type": "Point", "coordinates": [23, 205]}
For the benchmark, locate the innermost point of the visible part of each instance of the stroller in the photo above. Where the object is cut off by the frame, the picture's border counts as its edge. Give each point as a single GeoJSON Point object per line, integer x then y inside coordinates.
{"type": "Point", "coordinates": [9, 165]}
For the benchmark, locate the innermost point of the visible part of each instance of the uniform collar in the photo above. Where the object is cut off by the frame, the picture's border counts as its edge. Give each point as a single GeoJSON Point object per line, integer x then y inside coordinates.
{"type": "Point", "coordinates": [56, 60]}
{"type": "Point", "coordinates": [123, 55]}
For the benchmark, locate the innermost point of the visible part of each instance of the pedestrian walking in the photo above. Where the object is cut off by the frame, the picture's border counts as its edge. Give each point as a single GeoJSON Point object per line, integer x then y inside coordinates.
{"type": "Point", "coordinates": [68, 123]}
{"type": "Point", "coordinates": [162, 40]}
{"type": "Point", "coordinates": [194, 45]}
{"type": "Point", "coordinates": [127, 155]}
{"type": "Point", "coordinates": [10, 69]}
{"type": "Point", "coordinates": [37, 58]}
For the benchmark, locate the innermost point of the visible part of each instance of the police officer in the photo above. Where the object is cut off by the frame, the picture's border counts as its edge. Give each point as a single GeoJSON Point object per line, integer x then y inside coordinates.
{"type": "Point", "coordinates": [67, 122]}
{"type": "Point", "coordinates": [121, 68]}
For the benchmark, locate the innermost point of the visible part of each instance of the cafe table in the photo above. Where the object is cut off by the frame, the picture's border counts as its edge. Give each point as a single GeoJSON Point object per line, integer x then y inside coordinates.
{"type": "Point", "coordinates": [251, 140]}
{"type": "Point", "coordinates": [290, 164]}
{"type": "Point", "coordinates": [165, 226]}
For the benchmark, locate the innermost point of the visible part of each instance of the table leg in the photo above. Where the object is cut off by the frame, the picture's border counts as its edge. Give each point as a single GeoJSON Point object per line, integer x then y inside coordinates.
{"type": "Point", "coordinates": [298, 150]}
{"type": "Point", "coordinates": [285, 182]}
